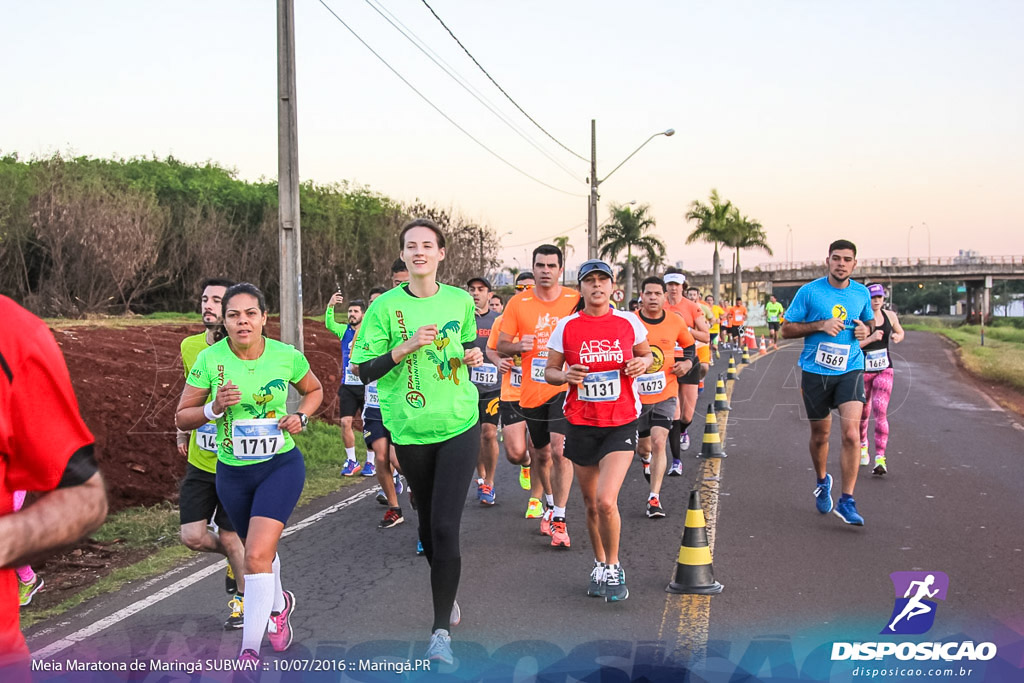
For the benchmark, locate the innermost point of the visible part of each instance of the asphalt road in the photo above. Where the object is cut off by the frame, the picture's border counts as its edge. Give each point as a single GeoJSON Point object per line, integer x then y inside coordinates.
{"type": "Point", "coordinates": [795, 581]}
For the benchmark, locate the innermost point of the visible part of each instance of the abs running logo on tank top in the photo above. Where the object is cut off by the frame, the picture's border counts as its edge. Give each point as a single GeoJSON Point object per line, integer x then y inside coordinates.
{"type": "Point", "coordinates": [601, 351]}
{"type": "Point", "coordinates": [913, 613]}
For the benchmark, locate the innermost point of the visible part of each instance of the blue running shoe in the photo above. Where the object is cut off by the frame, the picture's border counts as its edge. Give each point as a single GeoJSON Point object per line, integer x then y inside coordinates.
{"type": "Point", "coordinates": [369, 469]}
{"type": "Point", "coordinates": [823, 495]}
{"type": "Point", "coordinates": [351, 468]}
{"type": "Point", "coordinates": [419, 547]}
{"type": "Point", "coordinates": [846, 510]}
{"type": "Point", "coordinates": [398, 484]}
{"type": "Point", "coordinates": [486, 494]}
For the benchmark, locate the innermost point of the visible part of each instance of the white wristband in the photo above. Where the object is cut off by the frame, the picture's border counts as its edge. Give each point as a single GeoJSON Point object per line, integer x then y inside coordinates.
{"type": "Point", "coordinates": [208, 412]}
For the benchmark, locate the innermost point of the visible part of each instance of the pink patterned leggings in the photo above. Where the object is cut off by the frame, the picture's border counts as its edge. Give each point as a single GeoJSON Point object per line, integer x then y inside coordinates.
{"type": "Point", "coordinates": [24, 573]}
{"type": "Point", "coordinates": [877, 392]}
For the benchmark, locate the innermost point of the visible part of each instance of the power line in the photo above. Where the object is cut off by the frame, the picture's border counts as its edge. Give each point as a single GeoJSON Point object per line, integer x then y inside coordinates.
{"type": "Point", "coordinates": [448, 69]}
{"type": "Point", "coordinates": [439, 111]}
{"type": "Point", "coordinates": [509, 97]}
{"type": "Point", "coordinates": [545, 239]}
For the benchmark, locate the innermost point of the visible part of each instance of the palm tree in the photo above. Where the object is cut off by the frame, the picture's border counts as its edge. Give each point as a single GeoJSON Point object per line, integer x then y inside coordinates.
{"type": "Point", "coordinates": [713, 227]}
{"type": "Point", "coordinates": [563, 244]}
{"type": "Point", "coordinates": [626, 230]}
{"type": "Point", "coordinates": [745, 233]}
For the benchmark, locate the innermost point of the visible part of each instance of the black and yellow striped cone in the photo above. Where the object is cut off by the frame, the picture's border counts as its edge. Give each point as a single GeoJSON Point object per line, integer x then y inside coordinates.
{"type": "Point", "coordinates": [745, 357]}
{"type": "Point", "coordinates": [712, 446]}
{"type": "Point", "coordinates": [721, 400]}
{"type": "Point", "coordinates": [731, 374]}
{"type": "Point", "coordinates": [693, 568]}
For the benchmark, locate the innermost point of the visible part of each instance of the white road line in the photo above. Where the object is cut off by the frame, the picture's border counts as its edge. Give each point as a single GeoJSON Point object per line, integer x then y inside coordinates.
{"type": "Point", "coordinates": [152, 599]}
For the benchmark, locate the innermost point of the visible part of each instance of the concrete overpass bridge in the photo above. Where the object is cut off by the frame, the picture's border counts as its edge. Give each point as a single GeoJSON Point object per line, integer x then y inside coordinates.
{"type": "Point", "coordinates": [976, 272]}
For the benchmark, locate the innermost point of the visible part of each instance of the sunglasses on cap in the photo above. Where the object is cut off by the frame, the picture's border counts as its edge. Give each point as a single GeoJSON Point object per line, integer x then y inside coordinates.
{"type": "Point", "coordinates": [592, 266]}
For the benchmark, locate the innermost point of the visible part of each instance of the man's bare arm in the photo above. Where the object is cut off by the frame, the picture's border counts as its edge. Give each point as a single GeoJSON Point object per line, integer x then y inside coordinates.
{"type": "Point", "coordinates": [58, 519]}
{"type": "Point", "coordinates": [791, 330]}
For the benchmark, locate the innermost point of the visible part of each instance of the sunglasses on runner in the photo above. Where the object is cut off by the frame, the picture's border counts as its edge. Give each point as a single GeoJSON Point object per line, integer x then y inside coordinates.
{"type": "Point", "coordinates": [520, 288]}
{"type": "Point", "coordinates": [591, 266]}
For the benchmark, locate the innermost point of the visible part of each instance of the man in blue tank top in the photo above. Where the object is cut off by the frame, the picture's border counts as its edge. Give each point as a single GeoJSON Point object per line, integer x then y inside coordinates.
{"type": "Point", "coordinates": [832, 314]}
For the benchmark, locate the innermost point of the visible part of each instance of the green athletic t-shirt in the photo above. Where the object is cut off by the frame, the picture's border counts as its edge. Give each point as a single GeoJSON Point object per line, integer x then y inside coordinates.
{"type": "Point", "coordinates": [428, 397]}
{"type": "Point", "coordinates": [773, 311]}
{"type": "Point", "coordinates": [202, 442]}
{"type": "Point", "coordinates": [264, 386]}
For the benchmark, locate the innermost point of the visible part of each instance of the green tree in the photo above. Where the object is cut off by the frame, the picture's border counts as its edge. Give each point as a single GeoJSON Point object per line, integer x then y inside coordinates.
{"type": "Point", "coordinates": [713, 221]}
{"type": "Point", "coordinates": [627, 231]}
{"type": "Point", "coordinates": [563, 244]}
{"type": "Point", "coordinates": [744, 233]}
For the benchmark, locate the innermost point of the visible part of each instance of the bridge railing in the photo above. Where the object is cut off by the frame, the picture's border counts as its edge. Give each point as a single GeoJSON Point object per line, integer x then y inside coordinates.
{"type": "Point", "coordinates": [892, 262]}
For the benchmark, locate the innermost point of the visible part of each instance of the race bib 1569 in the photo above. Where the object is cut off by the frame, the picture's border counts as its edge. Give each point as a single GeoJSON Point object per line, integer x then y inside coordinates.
{"type": "Point", "coordinates": [832, 356]}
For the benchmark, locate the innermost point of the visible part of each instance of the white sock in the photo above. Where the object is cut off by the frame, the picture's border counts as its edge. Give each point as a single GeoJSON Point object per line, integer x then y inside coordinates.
{"type": "Point", "coordinates": [370, 458]}
{"type": "Point", "coordinates": [558, 512]}
{"type": "Point", "coordinates": [645, 457]}
{"type": "Point", "coordinates": [278, 590]}
{"type": "Point", "coordinates": [259, 599]}
{"type": "Point", "coordinates": [653, 495]}
{"type": "Point", "coordinates": [350, 454]}
{"type": "Point", "coordinates": [549, 500]}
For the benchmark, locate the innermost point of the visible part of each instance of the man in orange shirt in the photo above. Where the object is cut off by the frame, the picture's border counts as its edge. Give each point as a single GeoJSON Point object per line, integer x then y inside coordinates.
{"type": "Point", "coordinates": [658, 388]}
{"type": "Point", "coordinates": [693, 316]}
{"type": "Point", "coordinates": [531, 316]}
{"type": "Point", "coordinates": [738, 314]}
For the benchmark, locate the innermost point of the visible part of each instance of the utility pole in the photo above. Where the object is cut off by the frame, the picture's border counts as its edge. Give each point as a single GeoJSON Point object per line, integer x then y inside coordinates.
{"type": "Point", "coordinates": [592, 208]}
{"type": "Point", "coordinates": [288, 180]}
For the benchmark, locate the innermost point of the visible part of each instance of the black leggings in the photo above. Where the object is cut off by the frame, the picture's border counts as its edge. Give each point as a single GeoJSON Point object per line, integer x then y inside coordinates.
{"type": "Point", "coordinates": [439, 475]}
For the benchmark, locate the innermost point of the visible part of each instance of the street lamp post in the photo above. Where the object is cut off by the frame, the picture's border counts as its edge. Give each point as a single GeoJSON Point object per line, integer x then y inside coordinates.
{"type": "Point", "coordinates": [594, 183]}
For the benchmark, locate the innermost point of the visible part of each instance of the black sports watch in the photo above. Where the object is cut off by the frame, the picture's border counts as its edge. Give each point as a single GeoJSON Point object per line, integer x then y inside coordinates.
{"type": "Point", "coordinates": [303, 418]}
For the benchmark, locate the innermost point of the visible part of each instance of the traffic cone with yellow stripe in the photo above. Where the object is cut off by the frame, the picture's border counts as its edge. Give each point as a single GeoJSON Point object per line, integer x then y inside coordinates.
{"type": "Point", "coordinates": [694, 574]}
{"type": "Point", "coordinates": [745, 357]}
{"type": "Point", "coordinates": [712, 446]}
{"type": "Point", "coordinates": [721, 399]}
{"type": "Point", "coordinates": [730, 375]}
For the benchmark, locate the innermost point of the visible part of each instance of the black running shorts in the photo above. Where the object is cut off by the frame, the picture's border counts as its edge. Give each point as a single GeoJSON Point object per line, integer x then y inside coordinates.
{"type": "Point", "coordinates": [198, 501]}
{"type": "Point", "coordinates": [586, 445]}
{"type": "Point", "coordinates": [546, 419]}
{"type": "Point", "coordinates": [822, 393]}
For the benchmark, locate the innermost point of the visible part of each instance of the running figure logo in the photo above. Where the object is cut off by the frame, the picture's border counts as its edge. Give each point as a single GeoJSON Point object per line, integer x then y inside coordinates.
{"type": "Point", "coordinates": [914, 612]}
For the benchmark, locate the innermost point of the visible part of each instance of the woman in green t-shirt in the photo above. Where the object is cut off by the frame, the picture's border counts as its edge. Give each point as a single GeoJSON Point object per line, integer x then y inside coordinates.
{"type": "Point", "coordinates": [260, 472]}
{"type": "Point", "coordinates": [416, 341]}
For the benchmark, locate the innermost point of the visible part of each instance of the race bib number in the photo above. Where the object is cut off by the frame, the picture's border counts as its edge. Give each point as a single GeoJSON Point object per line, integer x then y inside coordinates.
{"type": "Point", "coordinates": [256, 439]}
{"type": "Point", "coordinates": [652, 384]}
{"type": "Point", "coordinates": [832, 356]}
{"type": "Point", "coordinates": [485, 374]}
{"type": "Point", "coordinates": [875, 361]}
{"type": "Point", "coordinates": [515, 377]}
{"type": "Point", "coordinates": [537, 366]}
{"type": "Point", "coordinates": [370, 396]}
{"type": "Point", "coordinates": [350, 377]}
{"type": "Point", "coordinates": [206, 437]}
{"type": "Point", "coordinates": [601, 386]}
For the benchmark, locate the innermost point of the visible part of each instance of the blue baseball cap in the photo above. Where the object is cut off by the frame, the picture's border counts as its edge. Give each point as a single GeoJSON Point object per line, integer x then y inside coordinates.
{"type": "Point", "coordinates": [594, 265]}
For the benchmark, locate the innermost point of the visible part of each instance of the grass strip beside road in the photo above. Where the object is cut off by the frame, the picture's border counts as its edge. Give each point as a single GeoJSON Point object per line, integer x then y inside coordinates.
{"type": "Point", "coordinates": [154, 530]}
{"type": "Point", "coordinates": [1000, 360]}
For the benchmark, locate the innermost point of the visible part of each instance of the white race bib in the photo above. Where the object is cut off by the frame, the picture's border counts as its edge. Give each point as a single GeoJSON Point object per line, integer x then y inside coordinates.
{"type": "Point", "coordinates": [832, 356]}
{"type": "Point", "coordinates": [350, 377]}
{"type": "Point", "coordinates": [256, 439]}
{"type": "Point", "coordinates": [537, 366]}
{"type": "Point", "coordinates": [485, 374]}
{"type": "Point", "coordinates": [370, 397]}
{"type": "Point", "coordinates": [206, 437]}
{"type": "Point", "coordinates": [876, 361]}
{"type": "Point", "coordinates": [652, 384]}
{"type": "Point", "coordinates": [601, 386]}
{"type": "Point", "coordinates": [515, 377]}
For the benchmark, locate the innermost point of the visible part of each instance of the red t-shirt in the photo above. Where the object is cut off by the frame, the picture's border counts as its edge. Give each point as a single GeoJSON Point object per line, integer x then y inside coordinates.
{"type": "Point", "coordinates": [605, 344]}
{"type": "Point", "coordinates": [40, 429]}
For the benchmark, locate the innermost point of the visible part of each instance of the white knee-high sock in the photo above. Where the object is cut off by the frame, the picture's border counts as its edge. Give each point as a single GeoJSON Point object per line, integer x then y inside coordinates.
{"type": "Point", "coordinates": [278, 591]}
{"type": "Point", "coordinates": [259, 599]}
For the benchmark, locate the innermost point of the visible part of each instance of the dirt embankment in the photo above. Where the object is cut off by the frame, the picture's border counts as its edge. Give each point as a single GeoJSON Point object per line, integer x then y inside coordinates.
{"type": "Point", "coordinates": [128, 381]}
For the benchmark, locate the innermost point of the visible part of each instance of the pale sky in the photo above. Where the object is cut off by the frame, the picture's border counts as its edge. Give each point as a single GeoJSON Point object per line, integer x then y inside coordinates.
{"type": "Point", "coordinates": [836, 119]}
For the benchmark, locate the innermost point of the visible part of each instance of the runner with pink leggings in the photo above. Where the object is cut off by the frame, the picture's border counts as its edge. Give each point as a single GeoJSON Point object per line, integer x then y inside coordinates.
{"type": "Point", "coordinates": [878, 378]}
{"type": "Point", "coordinates": [28, 583]}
